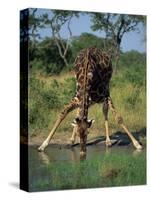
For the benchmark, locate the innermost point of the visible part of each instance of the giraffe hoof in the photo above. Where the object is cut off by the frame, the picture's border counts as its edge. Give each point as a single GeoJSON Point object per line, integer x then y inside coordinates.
{"type": "Point", "coordinates": [42, 147]}
{"type": "Point", "coordinates": [108, 143]}
{"type": "Point", "coordinates": [72, 140]}
{"type": "Point", "coordinates": [138, 146]}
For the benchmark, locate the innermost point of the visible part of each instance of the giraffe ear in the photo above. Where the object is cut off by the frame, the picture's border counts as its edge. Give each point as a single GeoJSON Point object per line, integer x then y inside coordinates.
{"type": "Point", "coordinates": [74, 123]}
{"type": "Point", "coordinates": [90, 122]}
{"type": "Point", "coordinates": [77, 120]}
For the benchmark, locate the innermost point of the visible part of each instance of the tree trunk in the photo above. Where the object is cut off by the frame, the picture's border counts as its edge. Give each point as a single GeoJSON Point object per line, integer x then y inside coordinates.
{"type": "Point", "coordinates": [117, 55]}
{"type": "Point", "coordinates": [62, 55]}
{"type": "Point", "coordinates": [65, 61]}
{"type": "Point", "coordinates": [116, 64]}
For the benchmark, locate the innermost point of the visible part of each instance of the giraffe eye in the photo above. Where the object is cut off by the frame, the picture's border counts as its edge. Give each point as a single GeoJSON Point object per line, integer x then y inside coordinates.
{"type": "Point", "coordinates": [77, 120]}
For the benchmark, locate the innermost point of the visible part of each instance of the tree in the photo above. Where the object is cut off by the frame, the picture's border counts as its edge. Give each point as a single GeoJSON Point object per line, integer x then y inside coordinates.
{"type": "Point", "coordinates": [48, 56]}
{"type": "Point", "coordinates": [34, 24]}
{"type": "Point", "coordinates": [85, 40]}
{"type": "Point", "coordinates": [115, 26]}
{"type": "Point", "coordinates": [56, 20]}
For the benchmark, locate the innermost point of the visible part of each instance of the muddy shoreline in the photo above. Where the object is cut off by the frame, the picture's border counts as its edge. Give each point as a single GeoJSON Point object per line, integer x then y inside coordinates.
{"type": "Point", "coordinates": [118, 139]}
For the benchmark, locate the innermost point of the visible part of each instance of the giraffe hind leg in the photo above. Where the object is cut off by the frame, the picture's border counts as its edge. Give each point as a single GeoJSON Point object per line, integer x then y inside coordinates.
{"type": "Point", "coordinates": [105, 112]}
{"type": "Point", "coordinates": [70, 107]}
{"type": "Point", "coordinates": [119, 120]}
{"type": "Point", "coordinates": [74, 134]}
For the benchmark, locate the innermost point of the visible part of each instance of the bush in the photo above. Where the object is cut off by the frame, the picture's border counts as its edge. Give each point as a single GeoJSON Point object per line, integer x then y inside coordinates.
{"type": "Point", "coordinates": [132, 58]}
{"type": "Point", "coordinates": [50, 97]}
{"type": "Point", "coordinates": [136, 75]}
{"type": "Point", "coordinates": [69, 89]}
{"type": "Point", "coordinates": [52, 68]}
{"type": "Point", "coordinates": [85, 40]}
{"type": "Point", "coordinates": [45, 97]}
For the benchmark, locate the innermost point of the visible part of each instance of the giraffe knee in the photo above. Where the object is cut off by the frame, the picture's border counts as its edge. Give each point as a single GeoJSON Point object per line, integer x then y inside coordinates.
{"type": "Point", "coordinates": [119, 120]}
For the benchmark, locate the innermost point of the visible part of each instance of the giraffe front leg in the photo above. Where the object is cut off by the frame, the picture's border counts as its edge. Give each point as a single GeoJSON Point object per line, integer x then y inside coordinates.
{"type": "Point", "coordinates": [73, 137]}
{"type": "Point", "coordinates": [108, 141]}
{"type": "Point", "coordinates": [71, 106]}
{"type": "Point", "coordinates": [74, 124]}
{"type": "Point", "coordinates": [105, 112]}
{"type": "Point", "coordinates": [119, 120]}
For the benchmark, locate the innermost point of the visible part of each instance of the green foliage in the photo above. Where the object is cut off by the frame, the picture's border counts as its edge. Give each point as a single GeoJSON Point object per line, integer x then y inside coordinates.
{"type": "Point", "coordinates": [46, 97]}
{"type": "Point", "coordinates": [85, 40]}
{"type": "Point", "coordinates": [46, 57]}
{"type": "Point", "coordinates": [119, 23]}
{"type": "Point", "coordinates": [36, 65]}
{"type": "Point", "coordinates": [52, 68]}
{"type": "Point", "coordinates": [132, 67]}
{"type": "Point", "coordinates": [48, 52]}
{"type": "Point", "coordinates": [114, 25]}
{"type": "Point", "coordinates": [69, 89]}
{"type": "Point", "coordinates": [41, 99]}
{"type": "Point", "coordinates": [132, 59]}
{"type": "Point", "coordinates": [136, 75]}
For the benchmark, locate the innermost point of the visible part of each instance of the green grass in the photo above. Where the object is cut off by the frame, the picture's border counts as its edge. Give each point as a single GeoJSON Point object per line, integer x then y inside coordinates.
{"type": "Point", "coordinates": [117, 169]}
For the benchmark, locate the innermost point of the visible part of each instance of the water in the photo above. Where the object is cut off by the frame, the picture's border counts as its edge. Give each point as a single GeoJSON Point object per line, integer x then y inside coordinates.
{"type": "Point", "coordinates": [55, 154]}
{"type": "Point", "coordinates": [39, 161]}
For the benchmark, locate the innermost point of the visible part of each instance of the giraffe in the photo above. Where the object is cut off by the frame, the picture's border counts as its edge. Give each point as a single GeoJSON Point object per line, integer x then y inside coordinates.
{"type": "Point", "coordinates": [93, 70]}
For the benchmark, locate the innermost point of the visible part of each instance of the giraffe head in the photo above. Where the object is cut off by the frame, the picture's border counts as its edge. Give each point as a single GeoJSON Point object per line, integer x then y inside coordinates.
{"type": "Point", "coordinates": [82, 125]}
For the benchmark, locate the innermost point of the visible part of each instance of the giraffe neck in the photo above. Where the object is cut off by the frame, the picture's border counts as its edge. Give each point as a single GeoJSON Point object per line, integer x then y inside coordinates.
{"type": "Point", "coordinates": [85, 90]}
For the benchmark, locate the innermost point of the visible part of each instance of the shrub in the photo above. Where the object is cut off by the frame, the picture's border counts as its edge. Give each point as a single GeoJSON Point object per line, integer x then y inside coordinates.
{"type": "Point", "coordinates": [69, 89]}
{"type": "Point", "coordinates": [50, 98]}
{"type": "Point", "coordinates": [52, 68]}
{"type": "Point", "coordinates": [132, 58]}
{"type": "Point", "coordinates": [136, 75]}
{"type": "Point", "coordinates": [36, 64]}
